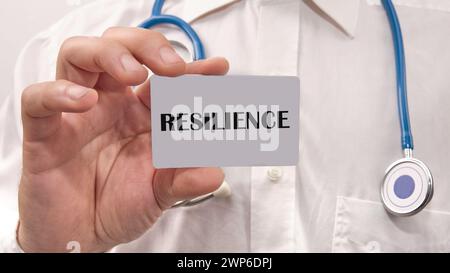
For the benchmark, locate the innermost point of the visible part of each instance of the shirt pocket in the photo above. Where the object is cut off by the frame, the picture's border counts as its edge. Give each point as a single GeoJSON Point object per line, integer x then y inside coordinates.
{"type": "Point", "coordinates": [364, 226]}
{"type": "Point", "coordinates": [438, 5]}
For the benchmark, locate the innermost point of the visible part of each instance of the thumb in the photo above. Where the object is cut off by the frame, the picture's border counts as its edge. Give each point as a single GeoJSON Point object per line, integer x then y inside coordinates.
{"type": "Point", "coordinates": [173, 185]}
{"type": "Point", "coordinates": [43, 103]}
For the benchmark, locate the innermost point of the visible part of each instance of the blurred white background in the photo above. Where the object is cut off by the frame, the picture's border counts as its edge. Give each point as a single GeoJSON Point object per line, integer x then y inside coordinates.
{"type": "Point", "coordinates": [20, 20]}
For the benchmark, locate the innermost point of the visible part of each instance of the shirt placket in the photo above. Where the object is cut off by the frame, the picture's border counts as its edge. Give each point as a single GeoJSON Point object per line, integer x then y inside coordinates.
{"type": "Point", "coordinates": [273, 188]}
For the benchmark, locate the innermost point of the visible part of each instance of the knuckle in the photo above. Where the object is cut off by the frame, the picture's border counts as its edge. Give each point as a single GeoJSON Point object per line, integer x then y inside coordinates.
{"type": "Point", "coordinates": [60, 85]}
{"type": "Point", "coordinates": [156, 36]}
{"type": "Point", "coordinates": [74, 43]}
{"type": "Point", "coordinates": [136, 34]}
{"type": "Point", "coordinates": [28, 93]}
{"type": "Point", "coordinates": [34, 91]}
{"type": "Point", "coordinates": [69, 44]}
{"type": "Point", "coordinates": [111, 31]}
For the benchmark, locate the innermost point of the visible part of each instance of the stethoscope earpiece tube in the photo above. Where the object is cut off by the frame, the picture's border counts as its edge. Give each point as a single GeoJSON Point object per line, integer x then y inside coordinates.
{"type": "Point", "coordinates": [157, 7]}
{"type": "Point", "coordinates": [158, 18]}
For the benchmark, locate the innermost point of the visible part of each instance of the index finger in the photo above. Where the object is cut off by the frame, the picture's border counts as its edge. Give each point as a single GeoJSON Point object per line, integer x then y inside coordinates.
{"type": "Point", "coordinates": [121, 52]}
{"type": "Point", "coordinates": [149, 47]}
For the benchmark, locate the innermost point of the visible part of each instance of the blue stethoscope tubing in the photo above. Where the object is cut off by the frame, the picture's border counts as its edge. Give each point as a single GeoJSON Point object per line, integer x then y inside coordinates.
{"type": "Point", "coordinates": [158, 18]}
{"type": "Point", "coordinates": [402, 98]}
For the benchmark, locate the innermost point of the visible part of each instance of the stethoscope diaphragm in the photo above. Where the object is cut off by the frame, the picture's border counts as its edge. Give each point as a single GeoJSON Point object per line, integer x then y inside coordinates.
{"type": "Point", "coordinates": [407, 187]}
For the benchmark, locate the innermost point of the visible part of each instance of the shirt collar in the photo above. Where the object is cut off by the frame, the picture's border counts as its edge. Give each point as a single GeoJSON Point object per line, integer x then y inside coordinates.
{"type": "Point", "coordinates": [343, 14]}
{"type": "Point", "coordinates": [195, 9]}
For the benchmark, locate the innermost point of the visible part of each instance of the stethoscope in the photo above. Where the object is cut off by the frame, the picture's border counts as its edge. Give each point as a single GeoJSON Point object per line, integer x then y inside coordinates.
{"type": "Point", "coordinates": [407, 186]}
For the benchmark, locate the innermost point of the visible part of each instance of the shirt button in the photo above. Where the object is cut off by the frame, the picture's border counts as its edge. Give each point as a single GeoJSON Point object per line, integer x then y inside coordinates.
{"type": "Point", "coordinates": [275, 174]}
{"type": "Point", "coordinates": [373, 247]}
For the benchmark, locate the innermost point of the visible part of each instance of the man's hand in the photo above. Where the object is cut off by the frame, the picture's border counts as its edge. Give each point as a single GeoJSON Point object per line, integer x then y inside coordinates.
{"type": "Point", "coordinates": [88, 174]}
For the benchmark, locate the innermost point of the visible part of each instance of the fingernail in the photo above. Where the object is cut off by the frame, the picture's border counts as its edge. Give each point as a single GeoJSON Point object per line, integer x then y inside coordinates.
{"type": "Point", "coordinates": [130, 64]}
{"type": "Point", "coordinates": [77, 92]}
{"type": "Point", "coordinates": [169, 56]}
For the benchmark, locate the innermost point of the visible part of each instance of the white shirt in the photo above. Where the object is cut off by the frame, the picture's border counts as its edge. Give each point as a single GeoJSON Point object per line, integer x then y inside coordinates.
{"type": "Point", "coordinates": [342, 51]}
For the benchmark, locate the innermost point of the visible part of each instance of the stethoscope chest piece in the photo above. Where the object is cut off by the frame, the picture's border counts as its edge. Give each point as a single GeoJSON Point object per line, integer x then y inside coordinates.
{"type": "Point", "coordinates": [407, 187]}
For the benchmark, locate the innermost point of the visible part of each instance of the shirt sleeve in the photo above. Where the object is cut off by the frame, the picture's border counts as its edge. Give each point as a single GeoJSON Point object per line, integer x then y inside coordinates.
{"type": "Point", "coordinates": [8, 228]}
{"type": "Point", "coordinates": [10, 158]}
{"type": "Point", "coordinates": [33, 65]}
